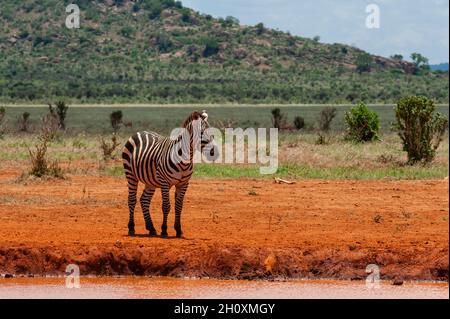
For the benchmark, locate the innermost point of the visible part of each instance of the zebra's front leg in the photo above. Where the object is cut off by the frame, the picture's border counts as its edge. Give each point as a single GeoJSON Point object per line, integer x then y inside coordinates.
{"type": "Point", "coordinates": [146, 199]}
{"type": "Point", "coordinates": [179, 198]}
{"type": "Point", "coordinates": [165, 208]}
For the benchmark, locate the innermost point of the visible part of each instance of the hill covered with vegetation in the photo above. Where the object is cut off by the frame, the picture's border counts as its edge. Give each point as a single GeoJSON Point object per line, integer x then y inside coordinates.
{"type": "Point", "coordinates": [157, 51]}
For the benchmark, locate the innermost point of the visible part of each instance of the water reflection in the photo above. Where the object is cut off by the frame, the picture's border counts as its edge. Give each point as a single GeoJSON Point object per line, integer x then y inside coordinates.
{"type": "Point", "coordinates": [138, 287]}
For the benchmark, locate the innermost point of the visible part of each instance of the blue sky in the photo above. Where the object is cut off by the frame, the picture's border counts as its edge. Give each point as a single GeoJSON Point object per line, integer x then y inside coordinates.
{"type": "Point", "coordinates": [406, 26]}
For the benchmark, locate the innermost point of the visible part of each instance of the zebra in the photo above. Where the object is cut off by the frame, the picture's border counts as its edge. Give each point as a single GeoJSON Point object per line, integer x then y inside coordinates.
{"type": "Point", "coordinates": [161, 162]}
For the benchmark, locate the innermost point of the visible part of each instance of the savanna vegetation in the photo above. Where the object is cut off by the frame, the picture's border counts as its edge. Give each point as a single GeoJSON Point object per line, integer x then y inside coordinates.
{"type": "Point", "coordinates": [158, 51]}
{"type": "Point", "coordinates": [321, 148]}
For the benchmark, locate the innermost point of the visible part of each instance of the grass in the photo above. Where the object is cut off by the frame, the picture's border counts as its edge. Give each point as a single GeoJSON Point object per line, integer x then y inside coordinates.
{"type": "Point", "coordinates": [95, 120]}
{"type": "Point", "coordinates": [308, 172]}
{"type": "Point", "coordinates": [300, 157]}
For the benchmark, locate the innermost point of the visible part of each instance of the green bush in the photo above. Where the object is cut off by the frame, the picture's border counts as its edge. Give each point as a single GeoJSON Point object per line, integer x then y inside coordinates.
{"type": "Point", "coordinates": [362, 123]}
{"type": "Point", "coordinates": [2, 120]}
{"type": "Point", "coordinates": [127, 31]}
{"type": "Point", "coordinates": [364, 62]}
{"type": "Point", "coordinates": [2, 113]}
{"type": "Point", "coordinates": [185, 15]}
{"type": "Point", "coordinates": [260, 28]}
{"type": "Point", "coordinates": [420, 127]}
{"type": "Point", "coordinates": [278, 119]}
{"type": "Point", "coordinates": [61, 110]}
{"type": "Point", "coordinates": [163, 42]}
{"type": "Point", "coordinates": [299, 122]}
{"type": "Point", "coordinates": [211, 47]}
{"type": "Point", "coordinates": [116, 119]}
{"type": "Point", "coordinates": [24, 120]}
{"type": "Point", "coordinates": [40, 165]}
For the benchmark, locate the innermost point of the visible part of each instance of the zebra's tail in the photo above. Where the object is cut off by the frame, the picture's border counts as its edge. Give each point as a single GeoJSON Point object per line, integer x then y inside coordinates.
{"type": "Point", "coordinates": [127, 154]}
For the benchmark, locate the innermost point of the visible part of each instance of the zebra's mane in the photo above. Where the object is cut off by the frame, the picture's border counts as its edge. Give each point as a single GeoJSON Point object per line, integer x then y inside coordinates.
{"type": "Point", "coordinates": [195, 116]}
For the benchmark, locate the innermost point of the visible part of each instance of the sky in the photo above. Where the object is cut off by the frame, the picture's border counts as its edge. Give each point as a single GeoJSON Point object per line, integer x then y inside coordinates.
{"type": "Point", "coordinates": [405, 26]}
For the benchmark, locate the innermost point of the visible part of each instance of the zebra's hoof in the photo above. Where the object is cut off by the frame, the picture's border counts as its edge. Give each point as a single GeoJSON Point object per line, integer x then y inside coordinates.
{"type": "Point", "coordinates": [179, 234]}
{"type": "Point", "coordinates": [153, 233]}
{"type": "Point", "coordinates": [131, 233]}
{"type": "Point", "coordinates": [164, 235]}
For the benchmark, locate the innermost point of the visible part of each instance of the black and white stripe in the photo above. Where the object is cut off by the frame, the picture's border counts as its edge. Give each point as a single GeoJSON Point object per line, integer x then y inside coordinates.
{"type": "Point", "coordinates": [160, 162]}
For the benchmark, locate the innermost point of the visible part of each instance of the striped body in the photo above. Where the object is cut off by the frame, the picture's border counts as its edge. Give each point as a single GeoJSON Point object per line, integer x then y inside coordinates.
{"type": "Point", "coordinates": [159, 162]}
{"type": "Point", "coordinates": [147, 159]}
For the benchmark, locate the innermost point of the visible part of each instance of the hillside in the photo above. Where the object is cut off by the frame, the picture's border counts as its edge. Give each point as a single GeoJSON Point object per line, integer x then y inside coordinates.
{"type": "Point", "coordinates": [157, 51]}
{"type": "Point", "coordinates": [439, 67]}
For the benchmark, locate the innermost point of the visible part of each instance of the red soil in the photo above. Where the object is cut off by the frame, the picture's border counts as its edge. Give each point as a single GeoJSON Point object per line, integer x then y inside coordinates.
{"type": "Point", "coordinates": [314, 229]}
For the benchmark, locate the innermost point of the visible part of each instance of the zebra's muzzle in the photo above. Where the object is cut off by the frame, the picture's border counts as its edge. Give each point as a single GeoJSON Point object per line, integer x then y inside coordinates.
{"type": "Point", "coordinates": [211, 152]}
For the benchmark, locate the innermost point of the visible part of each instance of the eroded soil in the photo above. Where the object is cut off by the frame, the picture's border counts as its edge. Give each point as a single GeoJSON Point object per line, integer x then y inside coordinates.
{"type": "Point", "coordinates": [233, 228]}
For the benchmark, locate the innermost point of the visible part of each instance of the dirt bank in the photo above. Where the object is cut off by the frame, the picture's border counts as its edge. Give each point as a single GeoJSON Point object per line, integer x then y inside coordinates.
{"type": "Point", "coordinates": [233, 228]}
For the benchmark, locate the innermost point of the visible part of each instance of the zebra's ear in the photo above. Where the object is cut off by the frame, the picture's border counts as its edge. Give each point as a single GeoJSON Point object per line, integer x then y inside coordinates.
{"type": "Point", "coordinates": [195, 115]}
{"type": "Point", "coordinates": [204, 115]}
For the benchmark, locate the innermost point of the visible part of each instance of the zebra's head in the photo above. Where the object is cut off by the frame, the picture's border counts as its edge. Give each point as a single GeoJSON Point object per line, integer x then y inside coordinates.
{"type": "Point", "coordinates": [203, 138]}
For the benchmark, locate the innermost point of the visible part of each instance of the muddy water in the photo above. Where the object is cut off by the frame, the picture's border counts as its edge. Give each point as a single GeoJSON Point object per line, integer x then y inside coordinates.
{"type": "Point", "coordinates": [206, 288]}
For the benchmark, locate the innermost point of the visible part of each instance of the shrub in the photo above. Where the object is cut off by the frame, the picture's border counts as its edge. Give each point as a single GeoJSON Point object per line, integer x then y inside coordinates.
{"type": "Point", "coordinates": [154, 7]}
{"type": "Point", "coordinates": [39, 163]}
{"type": "Point", "coordinates": [185, 15]}
{"type": "Point", "coordinates": [163, 42]}
{"type": "Point", "coordinates": [2, 113]}
{"type": "Point", "coordinates": [420, 127]}
{"type": "Point", "coordinates": [362, 123]}
{"type": "Point", "coordinates": [136, 7]}
{"type": "Point", "coordinates": [299, 122]}
{"type": "Point", "coordinates": [50, 123]}
{"type": "Point", "coordinates": [278, 119]}
{"type": "Point", "coordinates": [109, 148]}
{"type": "Point", "coordinates": [326, 117]}
{"type": "Point", "coordinates": [211, 47]}
{"type": "Point", "coordinates": [61, 110]}
{"type": "Point", "coordinates": [127, 31]}
{"type": "Point", "coordinates": [116, 119]}
{"type": "Point", "coordinates": [397, 57]}
{"type": "Point", "coordinates": [364, 63]}
{"type": "Point", "coordinates": [322, 139]}
{"type": "Point", "coordinates": [260, 28]}
{"type": "Point", "coordinates": [2, 120]}
{"type": "Point", "coordinates": [24, 121]}
{"type": "Point", "coordinates": [230, 21]}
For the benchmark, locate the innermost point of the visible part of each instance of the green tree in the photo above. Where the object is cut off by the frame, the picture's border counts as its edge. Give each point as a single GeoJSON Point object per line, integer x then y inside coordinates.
{"type": "Point", "coordinates": [260, 28]}
{"type": "Point", "coordinates": [364, 62]}
{"type": "Point", "coordinates": [420, 128]}
{"type": "Point", "coordinates": [420, 62]}
{"type": "Point", "coordinates": [397, 57]}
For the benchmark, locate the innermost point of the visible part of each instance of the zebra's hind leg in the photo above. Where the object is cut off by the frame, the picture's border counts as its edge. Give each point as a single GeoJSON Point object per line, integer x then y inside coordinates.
{"type": "Point", "coordinates": [165, 208]}
{"type": "Point", "coordinates": [146, 199]}
{"type": "Point", "coordinates": [179, 198]}
{"type": "Point", "coordinates": [132, 190]}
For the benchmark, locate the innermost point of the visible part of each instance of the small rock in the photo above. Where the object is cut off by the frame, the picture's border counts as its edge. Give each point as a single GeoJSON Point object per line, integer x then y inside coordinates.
{"type": "Point", "coordinates": [397, 282]}
{"type": "Point", "coordinates": [9, 276]}
{"type": "Point", "coordinates": [118, 244]}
